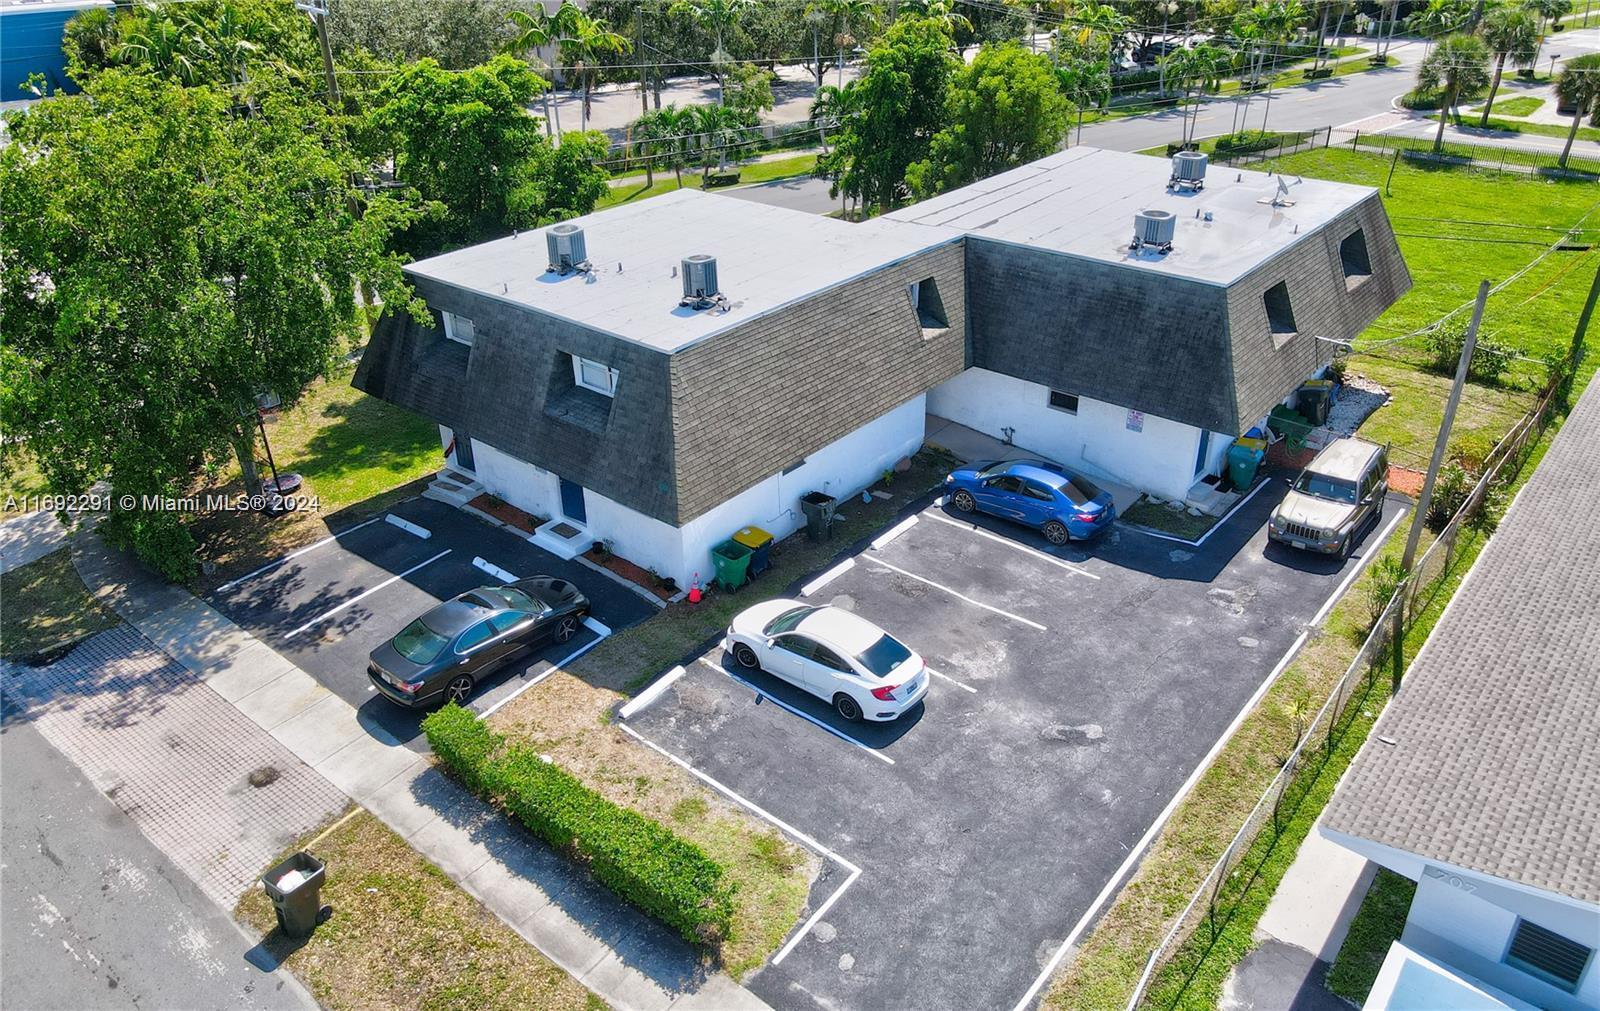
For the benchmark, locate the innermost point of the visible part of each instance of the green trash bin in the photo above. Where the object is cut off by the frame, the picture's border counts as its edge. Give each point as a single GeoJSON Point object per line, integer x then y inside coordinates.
{"type": "Point", "coordinates": [731, 560]}
{"type": "Point", "coordinates": [1243, 462]}
{"type": "Point", "coordinates": [1290, 424]}
{"type": "Point", "coordinates": [295, 888]}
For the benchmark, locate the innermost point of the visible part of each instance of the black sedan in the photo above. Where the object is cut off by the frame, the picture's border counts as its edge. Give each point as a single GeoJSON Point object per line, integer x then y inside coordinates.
{"type": "Point", "coordinates": [442, 655]}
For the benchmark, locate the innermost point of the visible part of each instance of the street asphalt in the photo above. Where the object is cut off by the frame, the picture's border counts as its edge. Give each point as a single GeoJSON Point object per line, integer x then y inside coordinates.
{"type": "Point", "coordinates": [93, 915]}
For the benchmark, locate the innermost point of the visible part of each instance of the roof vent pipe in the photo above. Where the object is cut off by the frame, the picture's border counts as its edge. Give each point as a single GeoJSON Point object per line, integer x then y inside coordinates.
{"type": "Point", "coordinates": [1188, 171]}
{"type": "Point", "coordinates": [700, 289]}
{"type": "Point", "coordinates": [567, 248]}
{"type": "Point", "coordinates": [1153, 230]}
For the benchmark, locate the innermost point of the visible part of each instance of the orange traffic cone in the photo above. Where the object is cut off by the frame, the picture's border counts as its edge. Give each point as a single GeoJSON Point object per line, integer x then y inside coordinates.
{"type": "Point", "coordinates": [694, 589]}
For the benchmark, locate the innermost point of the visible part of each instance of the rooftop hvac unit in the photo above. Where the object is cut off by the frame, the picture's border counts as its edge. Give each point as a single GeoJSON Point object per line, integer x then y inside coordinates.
{"type": "Point", "coordinates": [1153, 230]}
{"type": "Point", "coordinates": [700, 289]}
{"type": "Point", "coordinates": [567, 249]}
{"type": "Point", "coordinates": [1188, 170]}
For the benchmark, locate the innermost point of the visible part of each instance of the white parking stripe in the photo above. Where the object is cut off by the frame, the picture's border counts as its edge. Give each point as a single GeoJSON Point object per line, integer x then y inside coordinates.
{"type": "Point", "coordinates": [959, 684]}
{"type": "Point", "coordinates": [558, 665]}
{"type": "Point", "coordinates": [652, 693]}
{"type": "Point", "coordinates": [1008, 542]}
{"type": "Point", "coordinates": [598, 628]}
{"type": "Point", "coordinates": [225, 587]}
{"type": "Point", "coordinates": [827, 577]}
{"type": "Point", "coordinates": [783, 826]}
{"type": "Point", "coordinates": [841, 735]}
{"type": "Point", "coordinates": [324, 616]}
{"type": "Point", "coordinates": [893, 532]}
{"type": "Point", "coordinates": [957, 594]}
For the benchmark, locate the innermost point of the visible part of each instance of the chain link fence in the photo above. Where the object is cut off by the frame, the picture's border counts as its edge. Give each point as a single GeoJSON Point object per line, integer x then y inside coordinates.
{"type": "Point", "coordinates": [1539, 161]}
{"type": "Point", "coordinates": [1317, 735]}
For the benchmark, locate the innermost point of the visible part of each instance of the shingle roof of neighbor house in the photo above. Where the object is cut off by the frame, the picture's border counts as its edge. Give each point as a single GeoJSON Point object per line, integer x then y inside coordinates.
{"type": "Point", "coordinates": [1495, 760]}
{"type": "Point", "coordinates": [1082, 202]}
{"type": "Point", "coordinates": [767, 257]}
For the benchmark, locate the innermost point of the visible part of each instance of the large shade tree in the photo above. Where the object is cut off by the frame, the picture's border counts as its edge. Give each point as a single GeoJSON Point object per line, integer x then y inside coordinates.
{"type": "Point", "coordinates": [168, 254]}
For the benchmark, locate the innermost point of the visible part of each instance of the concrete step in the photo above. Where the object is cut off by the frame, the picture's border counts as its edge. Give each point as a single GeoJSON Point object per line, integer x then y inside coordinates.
{"type": "Point", "coordinates": [453, 489]}
{"type": "Point", "coordinates": [553, 538]}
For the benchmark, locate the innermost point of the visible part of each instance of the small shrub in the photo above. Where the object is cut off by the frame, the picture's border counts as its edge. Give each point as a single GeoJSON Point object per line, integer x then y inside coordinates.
{"type": "Point", "coordinates": [159, 539]}
{"type": "Point", "coordinates": [1383, 580]}
{"type": "Point", "coordinates": [1471, 450]}
{"type": "Point", "coordinates": [1490, 358]}
{"type": "Point", "coordinates": [1339, 368]}
{"type": "Point", "coordinates": [463, 743]}
{"type": "Point", "coordinates": [1450, 493]}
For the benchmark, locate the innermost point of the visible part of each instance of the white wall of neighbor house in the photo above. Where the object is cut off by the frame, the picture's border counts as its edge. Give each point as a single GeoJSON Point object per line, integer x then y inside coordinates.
{"type": "Point", "coordinates": [1158, 457]}
{"type": "Point", "coordinates": [842, 469]}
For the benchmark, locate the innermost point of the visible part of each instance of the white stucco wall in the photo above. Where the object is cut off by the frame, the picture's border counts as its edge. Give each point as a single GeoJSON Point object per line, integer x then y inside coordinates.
{"type": "Point", "coordinates": [841, 469]}
{"type": "Point", "coordinates": [1159, 458]}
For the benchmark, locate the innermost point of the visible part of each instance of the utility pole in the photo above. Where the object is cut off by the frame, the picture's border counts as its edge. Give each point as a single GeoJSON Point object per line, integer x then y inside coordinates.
{"type": "Point", "coordinates": [1425, 500]}
{"type": "Point", "coordinates": [318, 9]}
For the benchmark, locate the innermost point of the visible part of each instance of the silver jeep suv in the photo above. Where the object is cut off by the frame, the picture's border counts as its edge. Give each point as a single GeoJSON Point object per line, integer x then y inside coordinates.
{"type": "Point", "coordinates": [1334, 498]}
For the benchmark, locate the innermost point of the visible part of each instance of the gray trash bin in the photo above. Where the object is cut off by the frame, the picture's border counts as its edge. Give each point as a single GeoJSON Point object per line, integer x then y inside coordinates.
{"type": "Point", "coordinates": [295, 888]}
{"type": "Point", "coordinates": [818, 508]}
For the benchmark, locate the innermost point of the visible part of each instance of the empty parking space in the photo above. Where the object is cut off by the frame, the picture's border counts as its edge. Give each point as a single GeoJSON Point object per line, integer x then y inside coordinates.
{"type": "Point", "coordinates": [327, 607]}
{"type": "Point", "coordinates": [1079, 689]}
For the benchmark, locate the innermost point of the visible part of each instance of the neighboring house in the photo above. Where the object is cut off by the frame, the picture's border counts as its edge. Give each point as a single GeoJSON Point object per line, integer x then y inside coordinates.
{"type": "Point", "coordinates": [30, 43]}
{"type": "Point", "coordinates": [1014, 306]}
{"type": "Point", "coordinates": [1481, 781]}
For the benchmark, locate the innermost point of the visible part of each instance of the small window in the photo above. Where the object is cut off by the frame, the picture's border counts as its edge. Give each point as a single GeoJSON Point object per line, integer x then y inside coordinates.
{"type": "Point", "coordinates": [1353, 257]}
{"type": "Point", "coordinates": [1037, 491]}
{"type": "Point", "coordinates": [474, 636]}
{"type": "Point", "coordinates": [1280, 314]}
{"type": "Point", "coordinates": [799, 645]}
{"type": "Point", "coordinates": [1548, 955]}
{"type": "Point", "coordinates": [1006, 482]}
{"type": "Point", "coordinates": [458, 328]}
{"type": "Point", "coordinates": [591, 375]}
{"type": "Point", "coordinates": [929, 306]}
{"type": "Point", "coordinates": [828, 658]}
{"type": "Point", "coordinates": [506, 620]}
{"type": "Point", "coordinates": [1064, 401]}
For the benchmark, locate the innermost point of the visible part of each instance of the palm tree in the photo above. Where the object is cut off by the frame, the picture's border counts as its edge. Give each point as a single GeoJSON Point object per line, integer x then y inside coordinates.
{"type": "Point", "coordinates": [161, 44]}
{"type": "Point", "coordinates": [718, 15]}
{"type": "Point", "coordinates": [1578, 86]}
{"type": "Point", "coordinates": [1195, 70]}
{"type": "Point", "coordinates": [845, 13]}
{"type": "Point", "coordinates": [832, 107]}
{"type": "Point", "coordinates": [1458, 65]}
{"type": "Point", "coordinates": [677, 133]}
{"type": "Point", "coordinates": [534, 29]}
{"type": "Point", "coordinates": [943, 11]}
{"type": "Point", "coordinates": [1510, 33]}
{"type": "Point", "coordinates": [582, 43]}
{"type": "Point", "coordinates": [1549, 11]}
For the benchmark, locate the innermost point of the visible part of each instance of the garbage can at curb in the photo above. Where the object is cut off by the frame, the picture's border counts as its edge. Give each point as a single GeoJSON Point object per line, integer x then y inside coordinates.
{"type": "Point", "coordinates": [295, 888]}
{"type": "Point", "coordinates": [818, 508]}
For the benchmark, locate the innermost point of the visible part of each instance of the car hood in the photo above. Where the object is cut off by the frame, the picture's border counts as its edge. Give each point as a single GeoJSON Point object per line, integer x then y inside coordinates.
{"type": "Point", "coordinates": [753, 621]}
{"type": "Point", "coordinates": [1310, 511]}
{"type": "Point", "coordinates": [970, 471]}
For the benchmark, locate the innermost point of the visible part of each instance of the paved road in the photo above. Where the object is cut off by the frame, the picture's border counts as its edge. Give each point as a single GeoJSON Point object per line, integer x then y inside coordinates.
{"type": "Point", "coordinates": [94, 916]}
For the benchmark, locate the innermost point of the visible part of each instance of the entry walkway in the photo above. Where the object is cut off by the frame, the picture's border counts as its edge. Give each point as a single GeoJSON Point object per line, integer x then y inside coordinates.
{"type": "Point", "coordinates": [625, 958]}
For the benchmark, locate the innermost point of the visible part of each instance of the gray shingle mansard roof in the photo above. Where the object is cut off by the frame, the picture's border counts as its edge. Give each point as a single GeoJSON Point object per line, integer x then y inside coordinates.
{"type": "Point", "coordinates": [1495, 765]}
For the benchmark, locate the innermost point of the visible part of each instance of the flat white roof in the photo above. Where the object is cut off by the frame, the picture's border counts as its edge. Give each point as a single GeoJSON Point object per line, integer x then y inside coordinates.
{"type": "Point", "coordinates": [766, 256]}
{"type": "Point", "coordinates": [1082, 202]}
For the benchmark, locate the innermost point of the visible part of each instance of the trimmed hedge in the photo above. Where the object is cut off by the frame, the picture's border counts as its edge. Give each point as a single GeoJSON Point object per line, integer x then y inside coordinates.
{"type": "Point", "coordinates": [639, 859]}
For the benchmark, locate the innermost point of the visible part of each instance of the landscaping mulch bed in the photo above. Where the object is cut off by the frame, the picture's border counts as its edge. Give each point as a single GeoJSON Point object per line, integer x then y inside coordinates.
{"type": "Point", "coordinates": [632, 573]}
{"type": "Point", "coordinates": [1406, 481]}
{"type": "Point", "coordinates": [505, 513]}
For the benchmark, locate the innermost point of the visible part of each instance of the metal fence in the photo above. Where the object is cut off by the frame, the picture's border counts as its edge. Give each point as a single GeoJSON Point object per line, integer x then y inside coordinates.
{"type": "Point", "coordinates": [1217, 897]}
{"type": "Point", "coordinates": [1490, 156]}
{"type": "Point", "coordinates": [1279, 146]}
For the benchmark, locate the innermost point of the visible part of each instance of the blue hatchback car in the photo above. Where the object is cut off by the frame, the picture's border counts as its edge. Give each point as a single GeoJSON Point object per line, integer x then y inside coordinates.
{"type": "Point", "coordinates": [1063, 505]}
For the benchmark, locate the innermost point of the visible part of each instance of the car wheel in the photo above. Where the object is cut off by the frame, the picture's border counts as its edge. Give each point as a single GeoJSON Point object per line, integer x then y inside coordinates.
{"type": "Point", "coordinates": [566, 628]}
{"type": "Point", "coordinates": [458, 689]}
{"type": "Point", "coordinates": [746, 657]}
{"type": "Point", "coordinates": [1348, 548]}
{"type": "Point", "coordinates": [846, 706]}
{"type": "Point", "coordinates": [963, 501]}
{"type": "Point", "coordinates": [1056, 533]}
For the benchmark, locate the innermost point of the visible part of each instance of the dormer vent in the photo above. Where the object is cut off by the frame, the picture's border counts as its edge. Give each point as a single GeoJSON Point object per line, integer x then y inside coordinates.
{"type": "Point", "coordinates": [567, 249]}
{"type": "Point", "coordinates": [700, 290]}
{"type": "Point", "coordinates": [1188, 171]}
{"type": "Point", "coordinates": [1153, 230]}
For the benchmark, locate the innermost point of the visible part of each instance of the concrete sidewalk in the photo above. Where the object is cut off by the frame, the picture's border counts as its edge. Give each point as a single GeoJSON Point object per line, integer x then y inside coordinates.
{"type": "Point", "coordinates": [627, 959]}
{"type": "Point", "coordinates": [1301, 931]}
{"type": "Point", "coordinates": [28, 537]}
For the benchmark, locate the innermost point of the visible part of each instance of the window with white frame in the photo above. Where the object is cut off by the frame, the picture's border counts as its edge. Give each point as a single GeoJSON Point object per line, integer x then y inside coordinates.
{"type": "Point", "coordinates": [591, 375]}
{"type": "Point", "coordinates": [458, 328]}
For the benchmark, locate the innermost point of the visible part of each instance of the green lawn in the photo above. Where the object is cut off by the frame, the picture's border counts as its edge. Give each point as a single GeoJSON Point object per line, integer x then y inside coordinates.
{"type": "Point", "coordinates": [627, 189]}
{"type": "Point", "coordinates": [47, 609]}
{"type": "Point", "coordinates": [1472, 121]}
{"type": "Point", "coordinates": [1377, 924]}
{"type": "Point", "coordinates": [1177, 522]}
{"type": "Point", "coordinates": [1522, 105]}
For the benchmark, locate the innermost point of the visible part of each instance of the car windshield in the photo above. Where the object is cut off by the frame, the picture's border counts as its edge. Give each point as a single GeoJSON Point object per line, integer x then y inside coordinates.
{"type": "Point", "coordinates": [1321, 486]}
{"type": "Point", "coordinates": [519, 601]}
{"type": "Point", "coordinates": [787, 621]}
{"type": "Point", "coordinates": [884, 655]}
{"type": "Point", "coordinates": [994, 468]}
{"type": "Point", "coordinates": [419, 643]}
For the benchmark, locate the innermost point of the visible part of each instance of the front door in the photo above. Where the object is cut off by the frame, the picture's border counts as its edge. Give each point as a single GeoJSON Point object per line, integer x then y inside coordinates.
{"type": "Point", "coordinates": [1205, 447]}
{"type": "Point", "coordinates": [463, 451]}
{"type": "Point", "coordinates": [572, 501]}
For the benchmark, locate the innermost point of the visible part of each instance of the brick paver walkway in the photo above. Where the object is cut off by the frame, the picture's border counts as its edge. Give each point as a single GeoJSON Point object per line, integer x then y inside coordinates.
{"type": "Point", "coordinates": [175, 756]}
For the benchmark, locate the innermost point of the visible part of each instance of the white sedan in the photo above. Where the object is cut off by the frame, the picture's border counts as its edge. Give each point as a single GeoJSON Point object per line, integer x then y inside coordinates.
{"type": "Point", "coordinates": [863, 671]}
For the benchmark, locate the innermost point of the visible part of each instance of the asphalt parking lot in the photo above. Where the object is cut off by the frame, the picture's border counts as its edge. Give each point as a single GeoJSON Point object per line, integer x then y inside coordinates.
{"type": "Point", "coordinates": [328, 606]}
{"type": "Point", "coordinates": [1077, 690]}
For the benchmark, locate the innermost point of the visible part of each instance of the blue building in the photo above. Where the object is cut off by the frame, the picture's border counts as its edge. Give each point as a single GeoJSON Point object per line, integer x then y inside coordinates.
{"type": "Point", "coordinates": [30, 43]}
